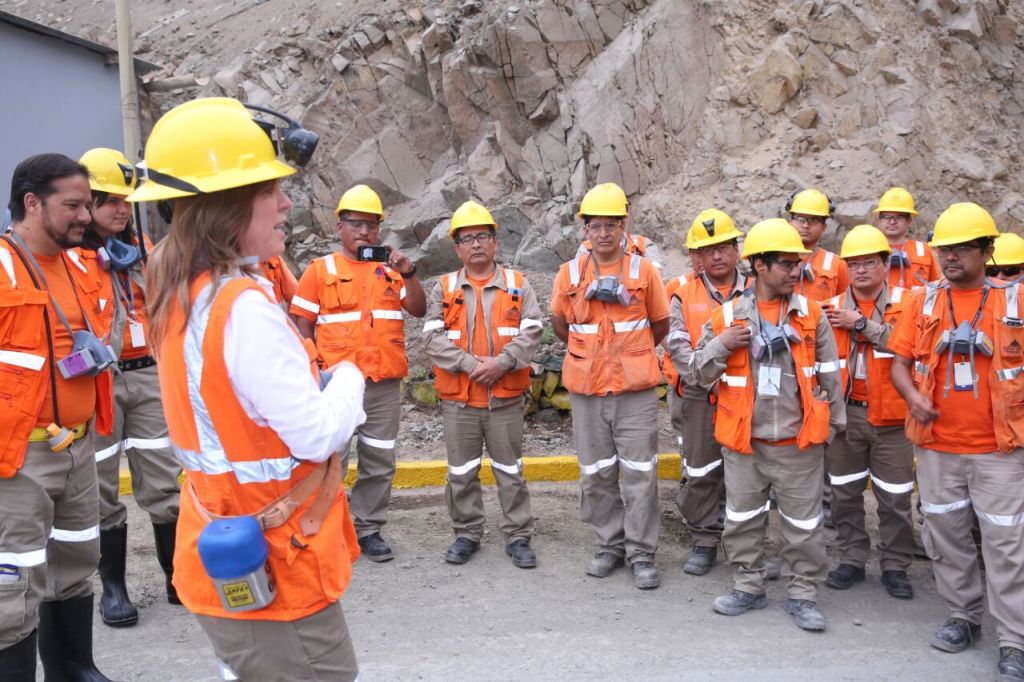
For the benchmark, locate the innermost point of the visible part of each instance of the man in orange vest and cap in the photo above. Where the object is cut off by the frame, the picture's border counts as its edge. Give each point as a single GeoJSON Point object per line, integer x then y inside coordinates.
{"type": "Point", "coordinates": [482, 329]}
{"type": "Point", "coordinates": [612, 312]}
{"type": "Point", "coordinates": [351, 303]}
{"type": "Point", "coordinates": [609, 194]}
{"type": "Point", "coordinates": [911, 263]}
{"type": "Point", "coordinates": [772, 355]}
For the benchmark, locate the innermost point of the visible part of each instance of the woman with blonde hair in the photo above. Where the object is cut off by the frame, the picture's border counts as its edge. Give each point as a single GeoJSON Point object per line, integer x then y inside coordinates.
{"type": "Point", "coordinates": [265, 543]}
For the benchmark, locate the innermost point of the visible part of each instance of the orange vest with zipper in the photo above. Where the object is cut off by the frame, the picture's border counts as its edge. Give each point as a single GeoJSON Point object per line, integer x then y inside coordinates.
{"type": "Point", "coordinates": [24, 354]}
{"type": "Point", "coordinates": [361, 322]}
{"type": "Point", "coordinates": [610, 346]}
{"type": "Point", "coordinates": [830, 276]}
{"type": "Point", "coordinates": [1007, 391]}
{"type": "Point", "coordinates": [737, 387]}
{"type": "Point", "coordinates": [244, 467]}
{"type": "Point", "coordinates": [885, 405]}
{"type": "Point", "coordinates": [921, 263]}
{"type": "Point", "coordinates": [506, 311]}
{"type": "Point", "coordinates": [667, 367]}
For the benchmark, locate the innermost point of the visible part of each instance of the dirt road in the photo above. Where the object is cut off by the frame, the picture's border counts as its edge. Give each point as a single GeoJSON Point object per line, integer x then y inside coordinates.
{"type": "Point", "coordinates": [417, 618]}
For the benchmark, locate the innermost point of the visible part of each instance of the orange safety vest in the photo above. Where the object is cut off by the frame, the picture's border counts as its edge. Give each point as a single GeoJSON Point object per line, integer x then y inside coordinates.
{"type": "Point", "coordinates": [921, 263]}
{"type": "Point", "coordinates": [611, 346]}
{"type": "Point", "coordinates": [885, 405]}
{"type": "Point", "coordinates": [361, 322]}
{"type": "Point", "coordinates": [829, 276]}
{"type": "Point", "coordinates": [281, 277]}
{"type": "Point", "coordinates": [237, 467]}
{"type": "Point", "coordinates": [668, 368]}
{"type": "Point", "coordinates": [1008, 388]}
{"type": "Point", "coordinates": [24, 353]}
{"type": "Point", "coordinates": [635, 243]}
{"type": "Point", "coordinates": [736, 389]}
{"type": "Point", "coordinates": [505, 320]}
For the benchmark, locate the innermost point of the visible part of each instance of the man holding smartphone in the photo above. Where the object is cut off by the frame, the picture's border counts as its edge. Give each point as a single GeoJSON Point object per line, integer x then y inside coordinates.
{"type": "Point", "coordinates": [351, 304]}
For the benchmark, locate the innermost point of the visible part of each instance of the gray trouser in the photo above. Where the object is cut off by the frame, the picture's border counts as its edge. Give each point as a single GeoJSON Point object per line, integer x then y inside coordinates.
{"type": "Point", "coordinates": [466, 430]}
{"type": "Point", "coordinates": [617, 442]}
{"type": "Point", "coordinates": [375, 450]}
{"type": "Point", "coordinates": [675, 411]}
{"type": "Point", "coordinates": [886, 456]}
{"type": "Point", "coordinates": [49, 534]}
{"type": "Point", "coordinates": [796, 477]}
{"type": "Point", "coordinates": [317, 647]}
{"type": "Point", "coordinates": [140, 431]}
{"type": "Point", "coordinates": [993, 484]}
{"type": "Point", "coordinates": [703, 481]}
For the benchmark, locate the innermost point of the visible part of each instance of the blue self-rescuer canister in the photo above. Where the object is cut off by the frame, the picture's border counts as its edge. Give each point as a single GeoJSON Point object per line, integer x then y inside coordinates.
{"type": "Point", "coordinates": [234, 554]}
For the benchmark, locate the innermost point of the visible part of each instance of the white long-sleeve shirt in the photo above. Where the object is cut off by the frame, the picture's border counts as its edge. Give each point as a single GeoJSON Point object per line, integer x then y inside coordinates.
{"type": "Point", "coordinates": [269, 371]}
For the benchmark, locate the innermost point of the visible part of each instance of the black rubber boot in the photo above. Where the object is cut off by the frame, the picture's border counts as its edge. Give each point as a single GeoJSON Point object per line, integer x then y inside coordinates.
{"type": "Point", "coordinates": [65, 641]}
{"type": "Point", "coordinates": [163, 533]}
{"type": "Point", "coordinates": [18, 662]}
{"type": "Point", "coordinates": [115, 605]}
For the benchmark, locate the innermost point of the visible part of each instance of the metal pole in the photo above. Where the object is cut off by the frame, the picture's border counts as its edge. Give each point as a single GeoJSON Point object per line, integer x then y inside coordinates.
{"type": "Point", "coordinates": [129, 101]}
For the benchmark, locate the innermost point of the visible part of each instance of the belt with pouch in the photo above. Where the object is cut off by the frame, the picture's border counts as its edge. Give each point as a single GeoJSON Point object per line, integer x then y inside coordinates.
{"type": "Point", "coordinates": [39, 434]}
{"type": "Point", "coordinates": [136, 363]}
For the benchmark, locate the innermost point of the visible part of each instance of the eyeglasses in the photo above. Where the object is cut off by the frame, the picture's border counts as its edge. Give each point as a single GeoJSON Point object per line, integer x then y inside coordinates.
{"type": "Point", "coordinates": [603, 227]}
{"type": "Point", "coordinates": [368, 225]}
{"type": "Point", "coordinates": [787, 265]}
{"type": "Point", "coordinates": [479, 238]}
{"type": "Point", "coordinates": [808, 220]}
{"type": "Point", "coordinates": [722, 247]}
{"type": "Point", "coordinates": [869, 264]}
{"type": "Point", "coordinates": [959, 250]}
{"type": "Point", "coordinates": [892, 217]}
{"type": "Point", "coordinates": [1004, 271]}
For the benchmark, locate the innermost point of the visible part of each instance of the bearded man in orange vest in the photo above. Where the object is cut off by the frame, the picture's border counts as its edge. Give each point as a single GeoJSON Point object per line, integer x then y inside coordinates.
{"type": "Point", "coordinates": [482, 329]}
{"type": "Point", "coordinates": [351, 303]}
{"type": "Point", "coordinates": [54, 379]}
{"type": "Point", "coordinates": [960, 366]}
{"type": "Point", "coordinates": [612, 312]}
{"type": "Point", "coordinates": [772, 356]}
{"type": "Point", "coordinates": [874, 445]}
{"type": "Point", "coordinates": [713, 236]}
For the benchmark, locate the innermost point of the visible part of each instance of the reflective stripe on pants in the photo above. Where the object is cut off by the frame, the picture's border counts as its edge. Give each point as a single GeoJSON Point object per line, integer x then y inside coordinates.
{"type": "Point", "coordinates": [375, 451]}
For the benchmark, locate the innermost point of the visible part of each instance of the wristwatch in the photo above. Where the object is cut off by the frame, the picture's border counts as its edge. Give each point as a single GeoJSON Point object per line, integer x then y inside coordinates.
{"type": "Point", "coordinates": [860, 324]}
{"type": "Point", "coordinates": [407, 275]}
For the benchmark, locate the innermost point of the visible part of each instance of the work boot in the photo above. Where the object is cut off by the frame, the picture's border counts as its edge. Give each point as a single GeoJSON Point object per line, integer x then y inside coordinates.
{"type": "Point", "coordinates": [844, 577]}
{"type": "Point", "coordinates": [806, 614]}
{"type": "Point", "coordinates": [18, 661]}
{"type": "Point", "coordinates": [116, 608]}
{"type": "Point", "coordinates": [737, 602]}
{"type": "Point", "coordinates": [164, 534]}
{"type": "Point", "coordinates": [1011, 664]}
{"type": "Point", "coordinates": [522, 555]}
{"type": "Point", "coordinates": [460, 550]}
{"type": "Point", "coordinates": [377, 550]}
{"type": "Point", "coordinates": [645, 575]}
{"type": "Point", "coordinates": [604, 563]}
{"type": "Point", "coordinates": [955, 635]}
{"type": "Point", "coordinates": [772, 569]}
{"type": "Point", "coordinates": [897, 584]}
{"type": "Point", "coordinates": [700, 561]}
{"type": "Point", "coordinates": [65, 641]}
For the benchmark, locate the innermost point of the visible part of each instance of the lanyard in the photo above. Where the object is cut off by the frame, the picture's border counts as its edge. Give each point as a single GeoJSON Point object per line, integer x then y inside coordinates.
{"type": "Point", "coordinates": [597, 268]}
{"type": "Point", "coordinates": [970, 354]}
{"type": "Point", "coordinates": [56, 306]}
{"type": "Point", "coordinates": [853, 361]}
{"type": "Point", "coordinates": [977, 315]}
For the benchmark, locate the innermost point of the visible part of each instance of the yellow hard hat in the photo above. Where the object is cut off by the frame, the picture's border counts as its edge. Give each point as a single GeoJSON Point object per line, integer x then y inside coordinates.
{"type": "Point", "coordinates": [963, 222]}
{"type": "Point", "coordinates": [204, 146]}
{"type": "Point", "coordinates": [810, 202]}
{"type": "Point", "coordinates": [1009, 249]}
{"type": "Point", "coordinates": [470, 214]}
{"type": "Point", "coordinates": [774, 234]}
{"type": "Point", "coordinates": [360, 198]}
{"type": "Point", "coordinates": [896, 200]}
{"type": "Point", "coordinates": [710, 227]}
{"type": "Point", "coordinates": [864, 240]}
{"type": "Point", "coordinates": [109, 171]}
{"type": "Point", "coordinates": [606, 199]}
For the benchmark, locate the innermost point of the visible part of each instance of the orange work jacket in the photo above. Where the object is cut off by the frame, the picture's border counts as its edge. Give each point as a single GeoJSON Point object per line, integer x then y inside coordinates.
{"type": "Point", "coordinates": [830, 276]}
{"type": "Point", "coordinates": [667, 367]}
{"type": "Point", "coordinates": [282, 278]}
{"type": "Point", "coordinates": [922, 268]}
{"type": "Point", "coordinates": [237, 467]}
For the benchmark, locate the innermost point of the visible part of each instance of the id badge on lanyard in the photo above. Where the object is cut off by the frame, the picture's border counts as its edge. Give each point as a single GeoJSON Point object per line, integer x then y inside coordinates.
{"type": "Point", "coordinates": [963, 377]}
{"type": "Point", "coordinates": [769, 379]}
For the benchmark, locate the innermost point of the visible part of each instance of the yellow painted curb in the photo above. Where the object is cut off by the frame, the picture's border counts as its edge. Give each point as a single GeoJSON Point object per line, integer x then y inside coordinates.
{"type": "Point", "coordinates": [434, 473]}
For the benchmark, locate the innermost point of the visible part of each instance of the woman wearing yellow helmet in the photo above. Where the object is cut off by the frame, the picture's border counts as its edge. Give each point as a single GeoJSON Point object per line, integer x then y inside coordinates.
{"type": "Point", "coordinates": [265, 542]}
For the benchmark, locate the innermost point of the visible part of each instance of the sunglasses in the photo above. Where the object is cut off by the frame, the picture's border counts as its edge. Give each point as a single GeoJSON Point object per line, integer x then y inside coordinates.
{"type": "Point", "coordinates": [1004, 271]}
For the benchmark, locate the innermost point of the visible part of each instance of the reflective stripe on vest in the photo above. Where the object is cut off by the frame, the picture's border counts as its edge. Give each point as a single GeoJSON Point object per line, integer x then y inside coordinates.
{"type": "Point", "coordinates": [827, 262]}
{"type": "Point", "coordinates": [920, 248]}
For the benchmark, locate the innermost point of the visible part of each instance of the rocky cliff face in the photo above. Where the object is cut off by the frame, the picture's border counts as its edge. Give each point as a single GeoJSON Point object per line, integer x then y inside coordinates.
{"type": "Point", "coordinates": [524, 105]}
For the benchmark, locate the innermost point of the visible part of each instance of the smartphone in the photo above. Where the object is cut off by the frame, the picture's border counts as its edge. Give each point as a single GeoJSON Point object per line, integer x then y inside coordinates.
{"type": "Point", "coordinates": [377, 254]}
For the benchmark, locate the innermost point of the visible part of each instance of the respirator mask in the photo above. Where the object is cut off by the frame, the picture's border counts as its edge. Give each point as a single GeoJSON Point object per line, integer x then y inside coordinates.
{"type": "Point", "coordinates": [773, 340]}
{"type": "Point", "coordinates": [962, 339]}
{"type": "Point", "coordinates": [118, 256]}
{"type": "Point", "coordinates": [89, 356]}
{"type": "Point", "coordinates": [608, 289]}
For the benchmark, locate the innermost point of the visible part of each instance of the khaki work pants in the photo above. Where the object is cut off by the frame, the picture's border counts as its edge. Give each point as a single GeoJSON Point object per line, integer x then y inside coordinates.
{"type": "Point", "coordinates": [884, 455]}
{"type": "Point", "coordinates": [49, 534]}
{"type": "Point", "coordinates": [617, 443]}
{"type": "Point", "coordinates": [466, 431]}
{"type": "Point", "coordinates": [675, 411]}
{"type": "Point", "coordinates": [993, 484]}
{"type": "Point", "coordinates": [375, 461]}
{"type": "Point", "coordinates": [796, 477]}
{"type": "Point", "coordinates": [317, 647]}
{"type": "Point", "coordinates": [703, 482]}
{"type": "Point", "coordinates": [140, 431]}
